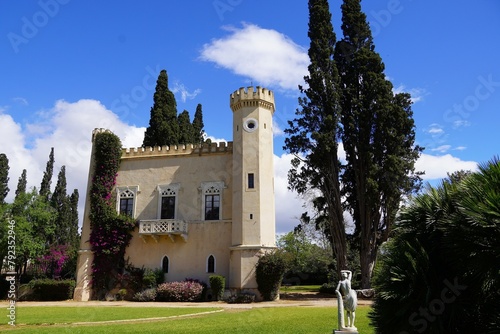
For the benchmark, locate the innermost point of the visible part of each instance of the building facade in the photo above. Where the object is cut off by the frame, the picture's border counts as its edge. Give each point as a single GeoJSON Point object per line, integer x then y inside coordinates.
{"type": "Point", "coordinates": [201, 210]}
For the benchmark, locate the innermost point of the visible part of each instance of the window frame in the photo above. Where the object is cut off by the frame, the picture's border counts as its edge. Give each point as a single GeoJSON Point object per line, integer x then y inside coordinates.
{"type": "Point", "coordinates": [211, 188]}
{"type": "Point", "coordinates": [127, 192]}
{"type": "Point", "coordinates": [168, 190]}
{"type": "Point", "coordinates": [163, 262]}
{"type": "Point", "coordinates": [214, 264]}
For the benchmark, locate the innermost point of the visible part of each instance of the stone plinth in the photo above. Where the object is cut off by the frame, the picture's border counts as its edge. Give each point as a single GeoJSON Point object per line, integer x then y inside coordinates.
{"type": "Point", "coordinates": [346, 331]}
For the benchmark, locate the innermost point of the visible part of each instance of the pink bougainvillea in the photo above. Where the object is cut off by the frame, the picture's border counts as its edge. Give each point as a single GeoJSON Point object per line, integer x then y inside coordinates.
{"type": "Point", "coordinates": [53, 262]}
{"type": "Point", "coordinates": [110, 232]}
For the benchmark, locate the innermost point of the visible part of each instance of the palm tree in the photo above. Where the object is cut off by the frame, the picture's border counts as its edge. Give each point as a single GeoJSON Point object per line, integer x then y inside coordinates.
{"type": "Point", "coordinates": [440, 273]}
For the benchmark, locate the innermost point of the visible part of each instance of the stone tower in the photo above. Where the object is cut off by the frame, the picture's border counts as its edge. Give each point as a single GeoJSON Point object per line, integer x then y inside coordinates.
{"type": "Point", "coordinates": [253, 215]}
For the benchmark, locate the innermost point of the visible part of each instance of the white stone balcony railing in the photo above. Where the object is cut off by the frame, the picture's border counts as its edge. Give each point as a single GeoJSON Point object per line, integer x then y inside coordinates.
{"type": "Point", "coordinates": [157, 227]}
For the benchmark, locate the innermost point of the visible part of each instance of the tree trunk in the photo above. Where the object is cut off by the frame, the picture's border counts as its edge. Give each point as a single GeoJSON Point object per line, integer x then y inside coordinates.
{"type": "Point", "coordinates": [367, 262]}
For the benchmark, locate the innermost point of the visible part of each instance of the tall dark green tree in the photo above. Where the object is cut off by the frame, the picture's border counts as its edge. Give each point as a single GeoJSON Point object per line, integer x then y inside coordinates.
{"type": "Point", "coordinates": [163, 127]}
{"type": "Point", "coordinates": [47, 176]}
{"type": "Point", "coordinates": [74, 236]}
{"type": "Point", "coordinates": [198, 125]}
{"type": "Point", "coordinates": [21, 184]}
{"type": "Point", "coordinates": [60, 202]}
{"type": "Point", "coordinates": [186, 131]}
{"type": "Point", "coordinates": [378, 134]}
{"type": "Point", "coordinates": [314, 135]}
{"type": "Point", "coordinates": [4, 177]}
{"type": "Point", "coordinates": [59, 196]}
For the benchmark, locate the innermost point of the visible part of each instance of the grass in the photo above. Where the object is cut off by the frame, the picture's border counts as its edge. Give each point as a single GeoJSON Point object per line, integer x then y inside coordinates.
{"type": "Point", "coordinates": [65, 315]}
{"type": "Point", "coordinates": [256, 320]}
{"type": "Point", "coordinates": [300, 288]}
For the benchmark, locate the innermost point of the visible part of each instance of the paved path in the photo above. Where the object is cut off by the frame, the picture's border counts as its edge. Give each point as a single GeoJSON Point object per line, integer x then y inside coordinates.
{"type": "Point", "coordinates": [285, 301]}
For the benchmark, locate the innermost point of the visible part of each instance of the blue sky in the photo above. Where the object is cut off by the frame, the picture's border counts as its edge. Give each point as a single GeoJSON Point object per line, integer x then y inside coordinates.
{"type": "Point", "coordinates": [69, 66]}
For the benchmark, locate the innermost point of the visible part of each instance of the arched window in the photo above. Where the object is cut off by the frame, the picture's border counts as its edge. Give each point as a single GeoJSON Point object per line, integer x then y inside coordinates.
{"type": "Point", "coordinates": [126, 200]}
{"type": "Point", "coordinates": [211, 264]}
{"type": "Point", "coordinates": [211, 200]}
{"type": "Point", "coordinates": [165, 264]}
{"type": "Point", "coordinates": [167, 200]}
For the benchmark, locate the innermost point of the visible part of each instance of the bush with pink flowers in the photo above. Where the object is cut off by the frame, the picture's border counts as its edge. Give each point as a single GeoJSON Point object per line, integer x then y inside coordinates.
{"type": "Point", "coordinates": [187, 291]}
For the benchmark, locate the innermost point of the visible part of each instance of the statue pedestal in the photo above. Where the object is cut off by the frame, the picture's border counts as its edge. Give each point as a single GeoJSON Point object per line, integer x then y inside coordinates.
{"type": "Point", "coordinates": [346, 331]}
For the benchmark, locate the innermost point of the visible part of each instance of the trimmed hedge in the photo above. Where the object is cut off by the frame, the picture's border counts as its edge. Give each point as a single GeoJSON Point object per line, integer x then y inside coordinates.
{"type": "Point", "coordinates": [217, 284]}
{"type": "Point", "coordinates": [52, 290]}
{"type": "Point", "coordinates": [269, 273]}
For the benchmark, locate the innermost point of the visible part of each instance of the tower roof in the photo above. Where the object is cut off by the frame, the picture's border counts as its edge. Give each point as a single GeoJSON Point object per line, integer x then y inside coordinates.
{"type": "Point", "coordinates": [250, 96]}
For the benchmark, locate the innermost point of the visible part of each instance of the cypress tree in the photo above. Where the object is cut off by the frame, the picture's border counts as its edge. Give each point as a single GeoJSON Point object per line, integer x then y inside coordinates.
{"type": "Point", "coordinates": [378, 136]}
{"type": "Point", "coordinates": [47, 176]}
{"type": "Point", "coordinates": [198, 125]}
{"type": "Point", "coordinates": [59, 195]}
{"type": "Point", "coordinates": [74, 239]}
{"type": "Point", "coordinates": [4, 177]}
{"type": "Point", "coordinates": [59, 201]}
{"type": "Point", "coordinates": [21, 184]}
{"type": "Point", "coordinates": [314, 134]}
{"type": "Point", "coordinates": [163, 129]}
{"type": "Point", "coordinates": [186, 131]}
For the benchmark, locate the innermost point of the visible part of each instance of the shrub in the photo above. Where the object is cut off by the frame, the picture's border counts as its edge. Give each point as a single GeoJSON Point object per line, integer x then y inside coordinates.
{"type": "Point", "coordinates": [147, 295]}
{"type": "Point", "coordinates": [241, 298]}
{"type": "Point", "coordinates": [149, 279]}
{"type": "Point", "coordinates": [160, 275]}
{"type": "Point", "coordinates": [187, 291]}
{"type": "Point", "coordinates": [439, 271]}
{"type": "Point", "coordinates": [52, 290]}
{"type": "Point", "coordinates": [328, 288]}
{"type": "Point", "coordinates": [269, 273]}
{"type": "Point", "coordinates": [217, 284]}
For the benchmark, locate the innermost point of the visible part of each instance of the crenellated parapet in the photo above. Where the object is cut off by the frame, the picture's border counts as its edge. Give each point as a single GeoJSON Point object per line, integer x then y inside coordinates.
{"type": "Point", "coordinates": [99, 130]}
{"type": "Point", "coordinates": [177, 150]}
{"type": "Point", "coordinates": [252, 97]}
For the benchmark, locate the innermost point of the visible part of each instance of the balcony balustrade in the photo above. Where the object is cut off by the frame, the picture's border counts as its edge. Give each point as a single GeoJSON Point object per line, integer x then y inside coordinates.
{"type": "Point", "coordinates": [158, 227]}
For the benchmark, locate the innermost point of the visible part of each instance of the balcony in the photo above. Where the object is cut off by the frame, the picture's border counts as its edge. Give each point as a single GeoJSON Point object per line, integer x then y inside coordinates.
{"type": "Point", "coordinates": [157, 227]}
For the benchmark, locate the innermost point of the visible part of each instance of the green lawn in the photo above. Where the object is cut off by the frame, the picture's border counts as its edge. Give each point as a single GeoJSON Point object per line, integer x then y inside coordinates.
{"type": "Point", "coordinates": [65, 315]}
{"type": "Point", "coordinates": [255, 320]}
{"type": "Point", "coordinates": [300, 288]}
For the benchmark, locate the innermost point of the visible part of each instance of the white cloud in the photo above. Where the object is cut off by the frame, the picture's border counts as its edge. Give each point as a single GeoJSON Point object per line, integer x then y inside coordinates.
{"type": "Point", "coordinates": [277, 131]}
{"type": "Point", "coordinates": [461, 123]}
{"type": "Point", "coordinates": [214, 139]}
{"type": "Point", "coordinates": [460, 148]}
{"type": "Point", "coordinates": [289, 207]}
{"type": "Point", "coordinates": [184, 92]}
{"type": "Point", "coordinates": [435, 129]}
{"type": "Point", "coordinates": [417, 94]}
{"type": "Point", "coordinates": [437, 167]}
{"type": "Point", "coordinates": [68, 128]}
{"type": "Point", "coordinates": [21, 100]}
{"type": "Point", "coordinates": [441, 149]}
{"type": "Point", "coordinates": [266, 56]}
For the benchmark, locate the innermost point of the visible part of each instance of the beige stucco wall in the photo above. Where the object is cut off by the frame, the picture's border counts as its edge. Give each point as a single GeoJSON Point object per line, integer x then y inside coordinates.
{"type": "Point", "coordinates": [187, 258]}
{"type": "Point", "coordinates": [189, 171]}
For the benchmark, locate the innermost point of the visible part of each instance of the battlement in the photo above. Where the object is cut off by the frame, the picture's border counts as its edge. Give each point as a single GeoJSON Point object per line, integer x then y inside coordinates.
{"type": "Point", "coordinates": [99, 130]}
{"type": "Point", "coordinates": [250, 97]}
{"type": "Point", "coordinates": [177, 150]}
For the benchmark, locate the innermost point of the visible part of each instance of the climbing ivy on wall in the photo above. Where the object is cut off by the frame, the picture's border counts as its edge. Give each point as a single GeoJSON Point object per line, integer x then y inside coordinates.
{"type": "Point", "coordinates": [110, 232]}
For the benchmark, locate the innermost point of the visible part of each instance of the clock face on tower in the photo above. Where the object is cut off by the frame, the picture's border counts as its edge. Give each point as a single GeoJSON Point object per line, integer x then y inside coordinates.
{"type": "Point", "coordinates": [250, 125]}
